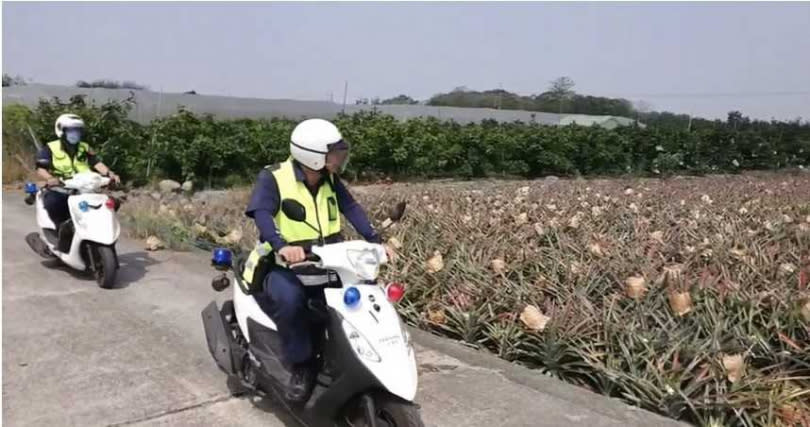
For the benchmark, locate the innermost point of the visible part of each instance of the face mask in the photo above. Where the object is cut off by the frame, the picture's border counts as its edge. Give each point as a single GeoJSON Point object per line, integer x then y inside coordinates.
{"type": "Point", "coordinates": [73, 136]}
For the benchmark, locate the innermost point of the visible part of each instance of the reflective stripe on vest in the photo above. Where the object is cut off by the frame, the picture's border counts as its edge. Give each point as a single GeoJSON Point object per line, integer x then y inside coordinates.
{"type": "Point", "coordinates": [322, 211]}
{"type": "Point", "coordinates": [65, 166]}
{"type": "Point", "coordinates": [261, 249]}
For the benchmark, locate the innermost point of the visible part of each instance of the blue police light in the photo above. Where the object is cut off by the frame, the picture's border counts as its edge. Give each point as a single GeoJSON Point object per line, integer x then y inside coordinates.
{"type": "Point", "coordinates": [222, 258]}
{"type": "Point", "coordinates": [83, 206]}
{"type": "Point", "coordinates": [30, 188]}
{"type": "Point", "coordinates": [351, 297]}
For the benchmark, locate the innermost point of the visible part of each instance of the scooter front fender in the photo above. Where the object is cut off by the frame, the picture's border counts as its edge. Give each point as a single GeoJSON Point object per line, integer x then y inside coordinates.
{"type": "Point", "coordinates": [98, 223]}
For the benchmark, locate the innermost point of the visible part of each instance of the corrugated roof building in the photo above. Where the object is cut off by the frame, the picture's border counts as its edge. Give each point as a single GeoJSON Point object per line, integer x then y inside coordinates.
{"type": "Point", "coordinates": [150, 105]}
{"type": "Point", "coordinates": [607, 122]}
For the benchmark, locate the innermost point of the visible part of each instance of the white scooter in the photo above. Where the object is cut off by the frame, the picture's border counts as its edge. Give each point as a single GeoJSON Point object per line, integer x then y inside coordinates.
{"type": "Point", "coordinates": [366, 364]}
{"type": "Point", "coordinates": [85, 242]}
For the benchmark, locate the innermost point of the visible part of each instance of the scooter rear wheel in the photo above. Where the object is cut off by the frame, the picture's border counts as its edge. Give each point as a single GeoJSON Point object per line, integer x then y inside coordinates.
{"type": "Point", "coordinates": [106, 266]}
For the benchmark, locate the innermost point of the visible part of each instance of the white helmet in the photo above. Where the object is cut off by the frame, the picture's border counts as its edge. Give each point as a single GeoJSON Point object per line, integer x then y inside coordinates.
{"type": "Point", "coordinates": [311, 140]}
{"type": "Point", "coordinates": [67, 121]}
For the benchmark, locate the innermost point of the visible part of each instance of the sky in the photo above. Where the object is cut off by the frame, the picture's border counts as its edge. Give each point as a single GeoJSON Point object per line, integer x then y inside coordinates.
{"type": "Point", "coordinates": [703, 59]}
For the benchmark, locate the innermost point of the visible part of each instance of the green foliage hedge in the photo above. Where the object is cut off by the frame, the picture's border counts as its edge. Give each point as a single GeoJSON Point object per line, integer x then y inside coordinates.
{"type": "Point", "coordinates": [188, 145]}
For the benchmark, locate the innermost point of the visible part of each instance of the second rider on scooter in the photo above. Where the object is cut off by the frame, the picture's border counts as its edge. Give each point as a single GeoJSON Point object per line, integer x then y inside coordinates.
{"type": "Point", "coordinates": [310, 177]}
{"type": "Point", "coordinates": [63, 158]}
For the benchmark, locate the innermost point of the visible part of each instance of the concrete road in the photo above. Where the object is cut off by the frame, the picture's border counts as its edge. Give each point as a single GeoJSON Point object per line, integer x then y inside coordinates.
{"type": "Point", "coordinates": [75, 354]}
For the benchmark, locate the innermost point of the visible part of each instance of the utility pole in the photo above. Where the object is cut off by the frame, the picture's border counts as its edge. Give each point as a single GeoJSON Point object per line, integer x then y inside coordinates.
{"type": "Point", "coordinates": [160, 100]}
{"type": "Point", "coordinates": [345, 92]}
{"type": "Point", "coordinates": [154, 135]}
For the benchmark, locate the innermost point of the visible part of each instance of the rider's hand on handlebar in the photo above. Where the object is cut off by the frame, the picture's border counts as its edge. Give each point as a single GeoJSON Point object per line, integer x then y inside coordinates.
{"type": "Point", "coordinates": [293, 254]}
{"type": "Point", "coordinates": [53, 182]}
{"type": "Point", "coordinates": [115, 179]}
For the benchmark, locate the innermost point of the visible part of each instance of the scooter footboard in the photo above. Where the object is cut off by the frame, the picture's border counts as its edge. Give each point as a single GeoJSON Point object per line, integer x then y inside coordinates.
{"type": "Point", "coordinates": [220, 341]}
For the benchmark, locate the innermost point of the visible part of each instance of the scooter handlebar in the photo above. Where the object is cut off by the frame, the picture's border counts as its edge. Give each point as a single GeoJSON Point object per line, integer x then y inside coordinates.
{"type": "Point", "coordinates": [60, 189]}
{"type": "Point", "coordinates": [310, 259]}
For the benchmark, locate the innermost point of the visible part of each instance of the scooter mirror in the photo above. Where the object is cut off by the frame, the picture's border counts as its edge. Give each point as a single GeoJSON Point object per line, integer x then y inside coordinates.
{"type": "Point", "coordinates": [220, 283]}
{"type": "Point", "coordinates": [294, 210]}
{"type": "Point", "coordinates": [397, 211]}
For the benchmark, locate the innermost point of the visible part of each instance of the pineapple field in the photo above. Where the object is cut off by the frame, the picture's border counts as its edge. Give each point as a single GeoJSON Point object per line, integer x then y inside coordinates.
{"type": "Point", "coordinates": [684, 296]}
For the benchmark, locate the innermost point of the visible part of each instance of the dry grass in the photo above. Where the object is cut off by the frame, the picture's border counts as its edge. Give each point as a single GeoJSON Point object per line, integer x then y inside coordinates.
{"type": "Point", "coordinates": [14, 172]}
{"type": "Point", "coordinates": [688, 296]}
{"type": "Point", "coordinates": [18, 163]}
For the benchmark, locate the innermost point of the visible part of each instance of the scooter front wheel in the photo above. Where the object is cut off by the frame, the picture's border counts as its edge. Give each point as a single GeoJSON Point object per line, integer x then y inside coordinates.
{"type": "Point", "coordinates": [106, 266]}
{"type": "Point", "coordinates": [389, 412]}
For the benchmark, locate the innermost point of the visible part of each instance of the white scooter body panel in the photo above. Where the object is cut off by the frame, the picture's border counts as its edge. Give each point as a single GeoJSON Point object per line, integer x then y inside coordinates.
{"type": "Point", "coordinates": [43, 219]}
{"type": "Point", "coordinates": [245, 306]}
{"type": "Point", "coordinates": [99, 224]}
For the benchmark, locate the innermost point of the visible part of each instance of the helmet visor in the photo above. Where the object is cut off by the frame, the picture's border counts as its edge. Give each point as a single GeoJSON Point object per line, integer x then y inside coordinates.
{"type": "Point", "coordinates": [337, 157]}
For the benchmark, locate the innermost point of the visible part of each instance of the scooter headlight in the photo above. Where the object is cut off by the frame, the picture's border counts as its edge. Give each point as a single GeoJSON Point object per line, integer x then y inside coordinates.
{"type": "Point", "coordinates": [359, 344]}
{"type": "Point", "coordinates": [366, 263]}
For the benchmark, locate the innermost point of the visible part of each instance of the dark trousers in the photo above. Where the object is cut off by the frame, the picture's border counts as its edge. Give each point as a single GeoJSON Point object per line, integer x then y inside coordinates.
{"type": "Point", "coordinates": [56, 204]}
{"type": "Point", "coordinates": [288, 309]}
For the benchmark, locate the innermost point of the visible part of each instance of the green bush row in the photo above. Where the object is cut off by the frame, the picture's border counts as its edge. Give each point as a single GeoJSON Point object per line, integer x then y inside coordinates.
{"type": "Point", "coordinates": [215, 152]}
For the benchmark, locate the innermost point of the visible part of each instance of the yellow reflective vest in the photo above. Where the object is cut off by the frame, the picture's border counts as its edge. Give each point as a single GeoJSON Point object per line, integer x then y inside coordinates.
{"type": "Point", "coordinates": [65, 166]}
{"type": "Point", "coordinates": [322, 213]}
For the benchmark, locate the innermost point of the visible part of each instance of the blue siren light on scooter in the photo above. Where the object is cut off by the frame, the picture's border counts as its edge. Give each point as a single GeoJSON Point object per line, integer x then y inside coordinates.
{"type": "Point", "coordinates": [351, 297]}
{"type": "Point", "coordinates": [222, 258]}
{"type": "Point", "coordinates": [30, 188]}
